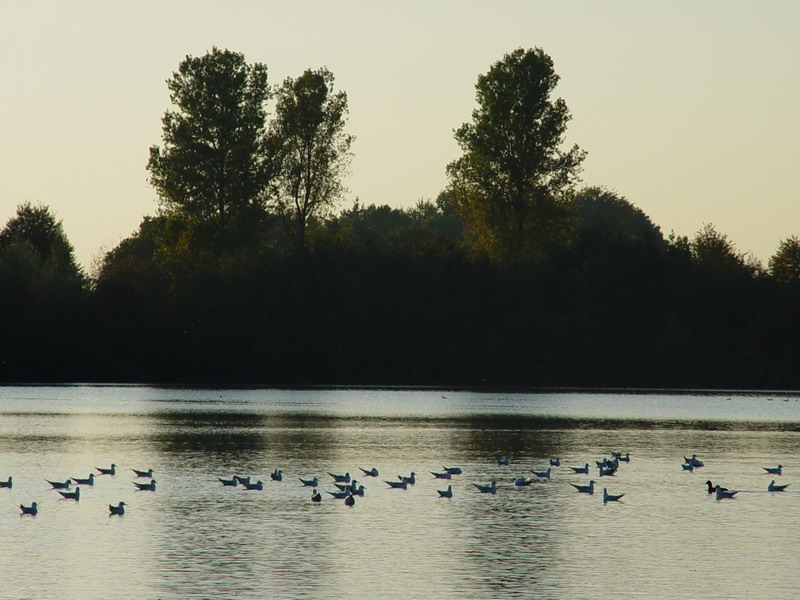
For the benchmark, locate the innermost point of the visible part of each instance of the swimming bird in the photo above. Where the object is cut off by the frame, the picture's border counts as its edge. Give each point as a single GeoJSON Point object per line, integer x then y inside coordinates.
{"type": "Point", "coordinates": [359, 491]}
{"type": "Point", "coordinates": [148, 473]}
{"type": "Point", "coordinates": [523, 481]}
{"type": "Point", "coordinates": [346, 486]}
{"type": "Point", "coordinates": [146, 487]}
{"type": "Point", "coordinates": [687, 467]}
{"type": "Point", "coordinates": [258, 485]}
{"type": "Point", "coordinates": [712, 489]}
{"type": "Point", "coordinates": [453, 470]}
{"type": "Point", "coordinates": [723, 494]}
{"type": "Point", "coordinates": [33, 509]}
{"type": "Point", "coordinates": [626, 458]}
{"type": "Point", "coordinates": [503, 461]}
{"type": "Point", "coordinates": [316, 496]}
{"type": "Point", "coordinates": [402, 485]}
{"type": "Point", "coordinates": [607, 471]}
{"type": "Point", "coordinates": [309, 482]}
{"type": "Point", "coordinates": [373, 472]}
{"type": "Point", "coordinates": [119, 509]}
{"type": "Point", "coordinates": [610, 497]}
{"type": "Point", "coordinates": [448, 493]}
{"type": "Point", "coordinates": [542, 474]}
{"type": "Point", "coordinates": [277, 475]}
{"type": "Point", "coordinates": [555, 462]}
{"type": "Point", "coordinates": [88, 481]}
{"type": "Point", "coordinates": [487, 489]}
{"type": "Point", "coordinates": [774, 470]}
{"type": "Point", "coordinates": [76, 495]}
{"type": "Point", "coordinates": [584, 469]}
{"type": "Point", "coordinates": [341, 478]}
{"type": "Point", "coordinates": [110, 471]}
{"type": "Point", "coordinates": [60, 485]}
{"type": "Point", "coordinates": [411, 479]}
{"type": "Point", "coordinates": [350, 500]}
{"type": "Point", "coordinates": [445, 475]}
{"type": "Point", "coordinates": [340, 495]}
{"type": "Point", "coordinates": [242, 480]}
{"type": "Point", "coordinates": [694, 461]}
{"type": "Point", "coordinates": [229, 482]}
{"type": "Point", "coordinates": [773, 487]}
{"type": "Point", "coordinates": [7, 484]}
{"type": "Point", "coordinates": [585, 489]}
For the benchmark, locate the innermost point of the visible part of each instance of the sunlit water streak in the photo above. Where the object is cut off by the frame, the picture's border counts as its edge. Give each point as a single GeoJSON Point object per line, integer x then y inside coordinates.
{"type": "Point", "coordinates": [194, 538]}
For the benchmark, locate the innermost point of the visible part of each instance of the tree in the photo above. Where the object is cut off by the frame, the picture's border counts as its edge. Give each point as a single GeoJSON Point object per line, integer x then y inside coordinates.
{"type": "Point", "coordinates": [510, 180]}
{"type": "Point", "coordinates": [785, 263]}
{"type": "Point", "coordinates": [315, 151]}
{"type": "Point", "coordinates": [215, 165]}
{"type": "Point", "coordinates": [715, 253]}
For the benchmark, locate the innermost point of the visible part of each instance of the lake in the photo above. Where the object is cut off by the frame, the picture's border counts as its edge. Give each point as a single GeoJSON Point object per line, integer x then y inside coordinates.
{"type": "Point", "coordinates": [195, 538]}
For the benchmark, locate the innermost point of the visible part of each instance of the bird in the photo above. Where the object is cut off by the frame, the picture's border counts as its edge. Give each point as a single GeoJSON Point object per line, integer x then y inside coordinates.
{"type": "Point", "coordinates": [229, 482]}
{"type": "Point", "coordinates": [712, 489]}
{"type": "Point", "coordinates": [610, 497]}
{"type": "Point", "coordinates": [344, 487]}
{"type": "Point", "coordinates": [774, 470]}
{"type": "Point", "coordinates": [8, 483]}
{"type": "Point", "coordinates": [444, 475]}
{"type": "Point", "coordinates": [76, 495]}
{"type": "Point", "coordinates": [626, 458]}
{"type": "Point", "coordinates": [88, 481]}
{"type": "Point", "coordinates": [411, 479]}
{"type": "Point", "coordinates": [453, 470]}
{"type": "Point", "coordinates": [242, 480]}
{"type": "Point", "coordinates": [258, 485]}
{"type": "Point", "coordinates": [341, 478]}
{"type": "Point", "coordinates": [33, 509]}
{"type": "Point", "coordinates": [340, 494]}
{"type": "Point", "coordinates": [359, 491]}
{"type": "Point", "coordinates": [585, 489]}
{"type": "Point", "coordinates": [146, 487]}
{"type": "Point", "coordinates": [607, 471]}
{"type": "Point", "coordinates": [277, 475]}
{"type": "Point", "coordinates": [350, 500]}
{"type": "Point", "coordinates": [60, 485]}
{"type": "Point", "coordinates": [373, 472]}
{"type": "Point", "coordinates": [316, 496]}
{"type": "Point", "coordinates": [584, 469]}
{"type": "Point", "coordinates": [309, 482]}
{"type": "Point", "coordinates": [542, 474]}
{"type": "Point", "coordinates": [687, 467]}
{"type": "Point", "coordinates": [773, 487]}
{"type": "Point", "coordinates": [487, 489]}
{"type": "Point", "coordinates": [119, 509]}
{"type": "Point", "coordinates": [723, 494]}
{"type": "Point", "coordinates": [402, 485]}
{"type": "Point", "coordinates": [555, 462]}
{"type": "Point", "coordinates": [148, 473]}
{"type": "Point", "coordinates": [694, 461]}
{"type": "Point", "coordinates": [110, 471]}
{"type": "Point", "coordinates": [503, 461]}
{"type": "Point", "coordinates": [523, 481]}
{"type": "Point", "coordinates": [448, 493]}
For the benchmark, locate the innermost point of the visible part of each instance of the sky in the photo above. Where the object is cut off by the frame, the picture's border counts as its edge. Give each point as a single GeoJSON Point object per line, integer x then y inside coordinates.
{"type": "Point", "coordinates": [688, 109]}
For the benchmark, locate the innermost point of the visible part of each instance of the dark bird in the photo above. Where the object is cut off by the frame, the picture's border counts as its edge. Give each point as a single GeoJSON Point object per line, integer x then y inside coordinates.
{"type": "Point", "coordinates": [119, 509]}
{"type": "Point", "coordinates": [76, 495]}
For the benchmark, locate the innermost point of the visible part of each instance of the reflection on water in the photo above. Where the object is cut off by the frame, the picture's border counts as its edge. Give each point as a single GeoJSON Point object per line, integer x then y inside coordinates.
{"type": "Point", "coordinates": [194, 538]}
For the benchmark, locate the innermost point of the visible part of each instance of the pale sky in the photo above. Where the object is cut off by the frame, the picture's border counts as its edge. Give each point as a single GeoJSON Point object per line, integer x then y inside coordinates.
{"type": "Point", "coordinates": [689, 109]}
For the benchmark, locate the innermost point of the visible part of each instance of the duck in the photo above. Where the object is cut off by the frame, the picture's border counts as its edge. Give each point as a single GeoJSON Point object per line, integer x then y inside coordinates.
{"type": "Point", "coordinates": [146, 487]}
{"type": "Point", "coordinates": [773, 487]}
{"type": "Point", "coordinates": [33, 509]}
{"type": "Point", "coordinates": [60, 485]}
{"type": "Point", "coordinates": [229, 482]}
{"type": "Point", "coordinates": [119, 509]}
{"type": "Point", "coordinates": [373, 472]}
{"type": "Point", "coordinates": [610, 497]}
{"type": "Point", "coordinates": [76, 495]}
{"type": "Point", "coordinates": [350, 500]}
{"type": "Point", "coordinates": [277, 475]}
{"type": "Point", "coordinates": [724, 494]}
{"type": "Point", "coordinates": [448, 493]}
{"type": "Point", "coordinates": [453, 470]}
{"type": "Point", "coordinates": [341, 478]}
{"type": "Point", "coordinates": [112, 470]}
{"type": "Point", "coordinates": [401, 485]}
{"type": "Point", "coordinates": [316, 496]}
{"type": "Point", "coordinates": [258, 485]}
{"type": "Point", "coordinates": [8, 483]}
{"type": "Point", "coordinates": [585, 489]}
{"type": "Point", "coordinates": [542, 474]}
{"type": "Point", "coordinates": [523, 481]}
{"type": "Point", "coordinates": [504, 461]}
{"type": "Point", "coordinates": [444, 475]}
{"type": "Point", "coordinates": [487, 489]}
{"type": "Point", "coordinates": [309, 482]}
{"type": "Point", "coordinates": [774, 470]}
{"type": "Point", "coordinates": [555, 462]}
{"type": "Point", "coordinates": [148, 473]}
{"type": "Point", "coordinates": [584, 469]}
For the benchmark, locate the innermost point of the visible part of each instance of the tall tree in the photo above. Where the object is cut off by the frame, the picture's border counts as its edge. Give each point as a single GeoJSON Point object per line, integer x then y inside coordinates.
{"type": "Point", "coordinates": [509, 182]}
{"type": "Point", "coordinates": [214, 167]}
{"type": "Point", "coordinates": [309, 130]}
{"type": "Point", "coordinates": [785, 263]}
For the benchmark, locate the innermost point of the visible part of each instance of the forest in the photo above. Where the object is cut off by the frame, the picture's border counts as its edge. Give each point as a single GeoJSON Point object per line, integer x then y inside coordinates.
{"type": "Point", "coordinates": [253, 273]}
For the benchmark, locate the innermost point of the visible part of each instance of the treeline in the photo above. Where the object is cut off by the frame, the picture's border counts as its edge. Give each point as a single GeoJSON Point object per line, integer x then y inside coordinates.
{"type": "Point", "coordinates": [513, 276]}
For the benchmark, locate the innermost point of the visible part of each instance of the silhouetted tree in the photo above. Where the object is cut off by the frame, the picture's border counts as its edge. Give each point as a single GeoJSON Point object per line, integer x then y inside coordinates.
{"type": "Point", "coordinates": [784, 265]}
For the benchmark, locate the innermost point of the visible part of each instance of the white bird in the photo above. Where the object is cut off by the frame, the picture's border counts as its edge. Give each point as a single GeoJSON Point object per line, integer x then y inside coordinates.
{"type": "Point", "coordinates": [584, 469]}
{"type": "Point", "coordinates": [448, 493]}
{"type": "Point", "coordinates": [773, 487]}
{"type": "Point", "coordinates": [146, 487]}
{"type": "Point", "coordinates": [610, 497]}
{"type": "Point", "coordinates": [542, 474]}
{"type": "Point", "coordinates": [33, 509]}
{"type": "Point", "coordinates": [723, 494]}
{"type": "Point", "coordinates": [774, 470]}
{"type": "Point", "coordinates": [119, 509]}
{"type": "Point", "coordinates": [148, 473]}
{"type": "Point", "coordinates": [373, 472]}
{"type": "Point", "coordinates": [309, 482]}
{"type": "Point", "coordinates": [585, 489]}
{"type": "Point", "coordinates": [487, 489]}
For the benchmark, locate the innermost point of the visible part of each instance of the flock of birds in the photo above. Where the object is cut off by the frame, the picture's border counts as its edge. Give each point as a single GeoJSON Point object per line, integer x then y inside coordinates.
{"type": "Point", "coordinates": [65, 488]}
{"type": "Point", "coordinates": [723, 493]}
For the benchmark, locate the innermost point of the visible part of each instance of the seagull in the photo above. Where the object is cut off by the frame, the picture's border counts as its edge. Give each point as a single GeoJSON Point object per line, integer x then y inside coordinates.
{"type": "Point", "coordinates": [87, 481]}
{"type": "Point", "coordinates": [359, 491]}
{"type": "Point", "coordinates": [340, 495]}
{"type": "Point", "coordinates": [555, 462]}
{"type": "Point", "coordinates": [309, 482]}
{"type": "Point", "coordinates": [626, 458]}
{"type": "Point", "coordinates": [6, 484]}
{"type": "Point", "coordinates": [775, 470]}
{"type": "Point", "coordinates": [411, 479]}
{"type": "Point", "coordinates": [694, 461]}
{"type": "Point", "coordinates": [687, 467]}
{"type": "Point", "coordinates": [242, 480]}
{"type": "Point", "coordinates": [542, 474]}
{"type": "Point", "coordinates": [110, 471]}
{"type": "Point", "coordinates": [341, 478]}
{"type": "Point", "coordinates": [773, 487]}
{"type": "Point", "coordinates": [448, 493]}
{"type": "Point", "coordinates": [344, 487]}
{"type": "Point", "coordinates": [487, 489]}
{"type": "Point", "coordinates": [584, 469]}
{"type": "Point", "coordinates": [148, 473]}
{"type": "Point", "coordinates": [608, 471]}
{"type": "Point", "coordinates": [60, 485]}
{"type": "Point", "coordinates": [316, 496]}
{"type": "Point", "coordinates": [402, 485]}
{"type": "Point", "coordinates": [350, 500]}
{"type": "Point", "coordinates": [723, 494]}
{"type": "Point", "coordinates": [258, 485]}
{"type": "Point", "coordinates": [277, 475]}
{"type": "Point", "coordinates": [712, 489]}
{"type": "Point", "coordinates": [453, 470]}
{"type": "Point", "coordinates": [29, 510]}
{"type": "Point", "coordinates": [229, 482]}
{"type": "Point", "coordinates": [503, 461]}
{"type": "Point", "coordinates": [76, 495]}
{"type": "Point", "coordinates": [585, 489]}
{"type": "Point", "coordinates": [523, 481]}
{"type": "Point", "coordinates": [116, 510]}
{"type": "Point", "coordinates": [146, 487]}
{"type": "Point", "coordinates": [445, 475]}
{"type": "Point", "coordinates": [373, 472]}
{"type": "Point", "coordinates": [610, 497]}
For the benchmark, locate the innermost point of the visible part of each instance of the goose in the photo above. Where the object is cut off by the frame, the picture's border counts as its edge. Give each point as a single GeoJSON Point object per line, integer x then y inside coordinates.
{"type": "Point", "coordinates": [33, 509]}
{"type": "Point", "coordinates": [411, 479]}
{"type": "Point", "coordinates": [774, 470]}
{"type": "Point", "coordinates": [60, 485]}
{"type": "Point", "coordinates": [110, 471]}
{"type": "Point", "coordinates": [448, 493]}
{"type": "Point", "coordinates": [350, 500]}
{"type": "Point", "coordinates": [341, 478]}
{"type": "Point", "coordinates": [7, 484]}
{"type": "Point", "coordinates": [373, 472]}
{"type": "Point", "coordinates": [309, 482]}
{"type": "Point", "coordinates": [229, 482]}
{"type": "Point", "coordinates": [723, 494]}
{"type": "Point", "coordinates": [258, 485]}
{"type": "Point", "coordinates": [453, 470]}
{"type": "Point", "coordinates": [401, 485]}
{"type": "Point", "coordinates": [148, 473]}
{"type": "Point", "coordinates": [610, 497]}
{"type": "Point", "coordinates": [773, 487]}
{"type": "Point", "coordinates": [277, 475]}
{"type": "Point", "coordinates": [555, 462]}
{"type": "Point", "coordinates": [584, 469]}
{"type": "Point", "coordinates": [146, 487]}
{"type": "Point", "coordinates": [76, 495]}
{"type": "Point", "coordinates": [542, 474]}
{"type": "Point", "coordinates": [585, 489]}
{"type": "Point", "coordinates": [503, 461]}
{"type": "Point", "coordinates": [694, 461]}
{"type": "Point", "coordinates": [445, 475]}
{"type": "Point", "coordinates": [119, 509]}
{"type": "Point", "coordinates": [712, 489]}
{"type": "Point", "coordinates": [88, 481]}
{"type": "Point", "coordinates": [523, 481]}
{"type": "Point", "coordinates": [340, 495]}
{"type": "Point", "coordinates": [487, 489]}
{"type": "Point", "coordinates": [316, 496]}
